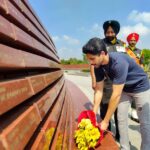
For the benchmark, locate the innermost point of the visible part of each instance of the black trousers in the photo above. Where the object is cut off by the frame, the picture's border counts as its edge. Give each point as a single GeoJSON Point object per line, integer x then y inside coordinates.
{"type": "Point", "coordinates": [103, 110]}
{"type": "Point", "coordinates": [104, 106]}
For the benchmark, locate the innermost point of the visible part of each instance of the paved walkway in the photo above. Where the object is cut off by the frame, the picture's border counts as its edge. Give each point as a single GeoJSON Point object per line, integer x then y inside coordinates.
{"type": "Point", "coordinates": [84, 83]}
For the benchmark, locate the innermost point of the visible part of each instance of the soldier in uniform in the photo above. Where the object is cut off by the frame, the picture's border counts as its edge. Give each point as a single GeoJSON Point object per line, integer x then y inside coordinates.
{"type": "Point", "coordinates": [134, 53]}
{"type": "Point", "coordinates": [111, 29]}
{"type": "Point", "coordinates": [132, 50]}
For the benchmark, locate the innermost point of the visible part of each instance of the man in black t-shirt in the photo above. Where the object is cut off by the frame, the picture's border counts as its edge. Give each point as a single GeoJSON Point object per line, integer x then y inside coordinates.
{"type": "Point", "coordinates": [130, 82]}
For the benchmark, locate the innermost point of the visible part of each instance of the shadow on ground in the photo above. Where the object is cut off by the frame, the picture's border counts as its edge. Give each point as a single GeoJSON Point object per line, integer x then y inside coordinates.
{"type": "Point", "coordinates": [134, 127]}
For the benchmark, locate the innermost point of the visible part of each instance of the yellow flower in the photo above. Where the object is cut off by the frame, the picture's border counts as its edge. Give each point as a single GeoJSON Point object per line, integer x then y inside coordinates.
{"type": "Point", "coordinates": [83, 123]}
{"type": "Point", "coordinates": [87, 135]}
{"type": "Point", "coordinates": [89, 126]}
{"type": "Point", "coordinates": [92, 144]}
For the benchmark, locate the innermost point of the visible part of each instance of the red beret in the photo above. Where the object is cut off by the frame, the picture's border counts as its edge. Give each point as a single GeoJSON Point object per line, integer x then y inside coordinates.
{"type": "Point", "coordinates": [130, 36]}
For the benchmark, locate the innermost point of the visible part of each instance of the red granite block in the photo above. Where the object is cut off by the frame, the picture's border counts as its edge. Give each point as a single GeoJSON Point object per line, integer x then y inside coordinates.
{"type": "Point", "coordinates": [6, 28]}
{"type": "Point", "coordinates": [46, 134]}
{"type": "Point", "coordinates": [22, 37]}
{"type": "Point", "coordinates": [19, 132]}
{"type": "Point", "coordinates": [27, 4]}
{"type": "Point", "coordinates": [37, 83]}
{"type": "Point", "coordinates": [13, 93]}
{"type": "Point", "coordinates": [55, 90]}
{"type": "Point", "coordinates": [24, 9]}
{"type": "Point", "coordinates": [35, 61]}
{"type": "Point", "coordinates": [10, 58]}
{"type": "Point", "coordinates": [33, 29]}
{"type": "Point", "coordinates": [45, 102]}
{"type": "Point", "coordinates": [65, 144]}
{"type": "Point", "coordinates": [39, 142]}
{"type": "Point", "coordinates": [50, 46]}
{"type": "Point", "coordinates": [51, 77]}
{"type": "Point", "coordinates": [108, 142]}
{"type": "Point", "coordinates": [27, 12]}
{"type": "Point", "coordinates": [36, 32]}
{"type": "Point", "coordinates": [39, 46]}
{"type": "Point", "coordinates": [2, 5]}
{"type": "Point", "coordinates": [17, 3]}
{"type": "Point", "coordinates": [50, 53]}
{"type": "Point", "coordinates": [36, 21]}
{"type": "Point", "coordinates": [59, 135]}
{"type": "Point", "coordinates": [12, 11]}
{"type": "Point", "coordinates": [71, 124]}
{"type": "Point", "coordinates": [53, 64]}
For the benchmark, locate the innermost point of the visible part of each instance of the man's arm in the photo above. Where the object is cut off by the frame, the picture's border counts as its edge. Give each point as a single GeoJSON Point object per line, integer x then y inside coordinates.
{"type": "Point", "coordinates": [93, 76]}
{"type": "Point", "coordinates": [113, 103]}
{"type": "Point", "coordinates": [98, 94]}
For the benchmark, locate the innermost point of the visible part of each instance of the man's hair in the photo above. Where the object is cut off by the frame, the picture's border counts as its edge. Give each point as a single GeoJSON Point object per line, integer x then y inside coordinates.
{"type": "Point", "coordinates": [94, 46]}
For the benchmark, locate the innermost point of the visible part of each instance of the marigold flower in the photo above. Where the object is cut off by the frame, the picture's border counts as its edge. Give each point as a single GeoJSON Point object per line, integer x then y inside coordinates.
{"type": "Point", "coordinates": [87, 135]}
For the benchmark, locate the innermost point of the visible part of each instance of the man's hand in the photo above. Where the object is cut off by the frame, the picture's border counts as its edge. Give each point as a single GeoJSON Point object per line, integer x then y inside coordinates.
{"type": "Point", "coordinates": [104, 125]}
{"type": "Point", "coordinates": [93, 85]}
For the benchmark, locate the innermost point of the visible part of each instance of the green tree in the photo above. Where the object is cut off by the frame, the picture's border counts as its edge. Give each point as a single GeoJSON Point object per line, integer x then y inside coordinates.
{"type": "Point", "coordinates": [146, 55]}
{"type": "Point", "coordinates": [84, 59]}
{"type": "Point", "coordinates": [74, 61]}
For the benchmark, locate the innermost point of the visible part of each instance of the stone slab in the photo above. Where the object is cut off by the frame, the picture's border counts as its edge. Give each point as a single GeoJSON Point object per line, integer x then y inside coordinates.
{"type": "Point", "coordinates": [45, 103]}
{"type": "Point", "coordinates": [2, 5]}
{"type": "Point", "coordinates": [51, 77]}
{"type": "Point", "coordinates": [22, 37]}
{"type": "Point", "coordinates": [12, 11]}
{"type": "Point", "coordinates": [6, 28]}
{"type": "Point", "coordinates": [10, 58]}
{"type": "Point", "coordinates": [47, 132]}
{"type": "Point", "coordinates": [18, 133]}
{"type": "Point", "coordinates": [13, 93]}
{"type": "Point", "coordinates": [35, 61]}
{"type": "Point", "coordinates": [37, 83]}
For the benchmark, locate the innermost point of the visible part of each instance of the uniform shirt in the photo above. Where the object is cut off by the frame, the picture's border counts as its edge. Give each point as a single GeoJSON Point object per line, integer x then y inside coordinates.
{"type": "Point", "coordinates": [119, 46]}
{"type": "Point", "coordinates": [137, 52]}
{"type": "Point", "coordinates": [122, 69]}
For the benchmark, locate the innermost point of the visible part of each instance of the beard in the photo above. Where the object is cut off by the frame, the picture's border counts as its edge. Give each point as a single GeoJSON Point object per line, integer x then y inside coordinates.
{"type": "Point", "coordinates": [110, 38]}
{"type": "Point", "coordinates": [132, 44]}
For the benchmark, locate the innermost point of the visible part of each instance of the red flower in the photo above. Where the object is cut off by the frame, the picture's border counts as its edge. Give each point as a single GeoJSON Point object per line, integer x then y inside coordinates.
{"type": "Point", "coordinates": [87, 114]}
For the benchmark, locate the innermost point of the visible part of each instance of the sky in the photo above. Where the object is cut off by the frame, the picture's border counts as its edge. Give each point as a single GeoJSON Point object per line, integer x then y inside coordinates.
{"type": "Point", "coordinates": [71, 23]}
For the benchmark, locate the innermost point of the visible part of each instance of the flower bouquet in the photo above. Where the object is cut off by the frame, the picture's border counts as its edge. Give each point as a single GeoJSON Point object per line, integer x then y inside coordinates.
{"type": "Point", "coordinates": [88, 135]}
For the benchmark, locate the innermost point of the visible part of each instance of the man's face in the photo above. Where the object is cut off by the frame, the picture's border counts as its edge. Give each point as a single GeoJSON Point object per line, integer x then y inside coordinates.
{"type": "Point", "coordinates": [95, 60]}
{"type": "Point", "coordinates": [132, 42]}
{"type": "Point", "coordinates": [110, 34]}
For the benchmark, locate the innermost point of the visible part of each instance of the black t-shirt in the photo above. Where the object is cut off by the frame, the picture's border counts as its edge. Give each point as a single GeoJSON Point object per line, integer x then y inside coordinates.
{"type": "Point", "coordinates": [122, 69]}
